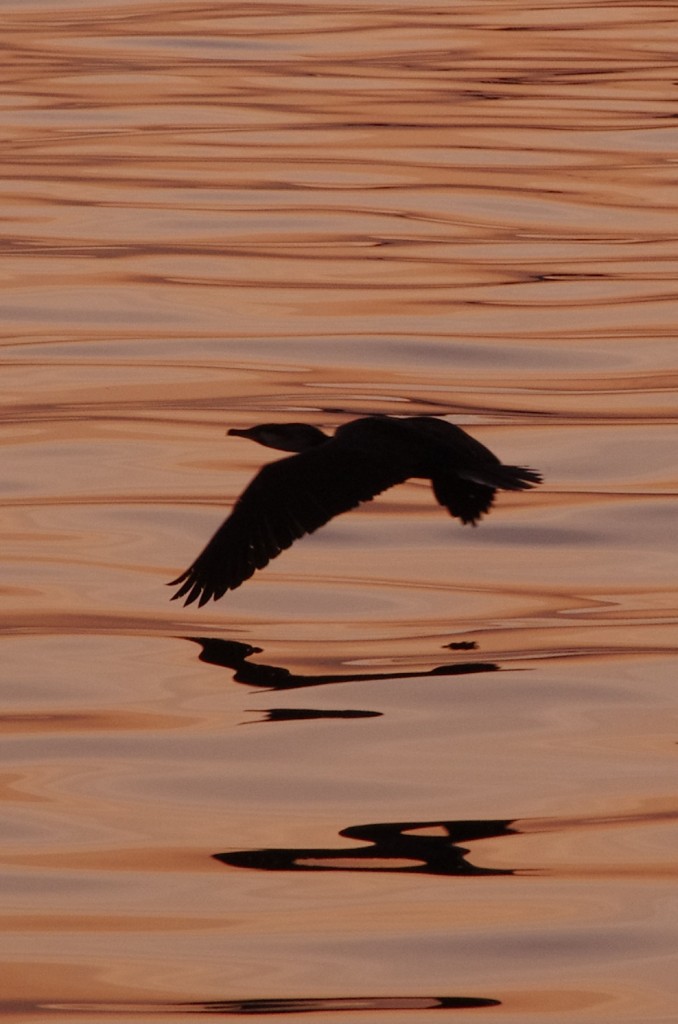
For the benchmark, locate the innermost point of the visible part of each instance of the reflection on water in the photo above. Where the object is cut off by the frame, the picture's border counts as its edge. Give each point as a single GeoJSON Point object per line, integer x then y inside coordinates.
{"type": "Point", "coordinates": [401, 846]}
{"type": "Point", "coordinates": [233, 654]}
{"type": "Point", "coordinates": [220, 215]}
{"type": "Point", "coordinates": [296, 714]}
{"type": "Point", "coordinates": [276, 1006]}
{"type": "Point", "coordinates": [428, 847]}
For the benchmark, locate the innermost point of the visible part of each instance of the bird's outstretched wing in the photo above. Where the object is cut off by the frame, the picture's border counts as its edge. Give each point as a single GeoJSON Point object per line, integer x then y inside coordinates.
{"type": "Point", "coordinates": [286, 499]}
{"type": "Point", "coordinates": [463, 499]}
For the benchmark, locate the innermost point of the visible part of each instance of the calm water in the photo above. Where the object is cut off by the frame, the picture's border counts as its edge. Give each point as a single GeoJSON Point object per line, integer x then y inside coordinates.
{"type": "Point", "coordinates": [410, 766]}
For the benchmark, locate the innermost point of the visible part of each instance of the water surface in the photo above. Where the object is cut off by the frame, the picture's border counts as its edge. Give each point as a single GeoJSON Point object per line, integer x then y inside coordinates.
{"type": "Point", "coordinates": [411, 766]}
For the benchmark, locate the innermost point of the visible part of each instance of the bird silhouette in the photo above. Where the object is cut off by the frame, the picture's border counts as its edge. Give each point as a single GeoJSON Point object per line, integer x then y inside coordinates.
{"type": "Point", "coordinates": [331, 475]}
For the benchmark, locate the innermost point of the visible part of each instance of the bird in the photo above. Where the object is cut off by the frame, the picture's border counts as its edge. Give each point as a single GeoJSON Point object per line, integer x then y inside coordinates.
{"type": "Point", "coordinates": [328, 475]}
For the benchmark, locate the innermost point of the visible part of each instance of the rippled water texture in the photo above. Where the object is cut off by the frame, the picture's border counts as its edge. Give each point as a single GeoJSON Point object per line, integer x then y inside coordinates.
{"type": "Point", "coordinates": [410, 766]}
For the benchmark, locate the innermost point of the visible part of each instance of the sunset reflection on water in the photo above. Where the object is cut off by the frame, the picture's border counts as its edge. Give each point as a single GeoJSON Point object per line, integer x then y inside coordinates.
{"type": "Point", "coordinates": [412, 765]}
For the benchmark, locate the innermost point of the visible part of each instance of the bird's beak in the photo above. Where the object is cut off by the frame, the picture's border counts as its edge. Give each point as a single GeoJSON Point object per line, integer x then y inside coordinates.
{"type": "Point", "coordinates": [238, 432]}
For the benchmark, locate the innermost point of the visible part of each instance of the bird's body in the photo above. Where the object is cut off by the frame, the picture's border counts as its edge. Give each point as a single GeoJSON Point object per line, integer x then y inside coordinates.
{"type": "Point", "coordinates": [331, 475]}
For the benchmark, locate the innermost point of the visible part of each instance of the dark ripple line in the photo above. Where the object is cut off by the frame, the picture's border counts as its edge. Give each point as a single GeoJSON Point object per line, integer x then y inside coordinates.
{"type": "Point", "coordinates": [245, 1007]}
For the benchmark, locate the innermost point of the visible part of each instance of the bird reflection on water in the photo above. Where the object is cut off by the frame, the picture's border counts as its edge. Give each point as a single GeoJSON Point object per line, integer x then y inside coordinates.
{"type": "Point", "coordinates": [233, 654]}
{"type": "Point", "coordinates": [340, 1004]}
{"type": "Point", "coordinates": [330, 475]}
{"type": "Point", "coordinates": [412, 847]}
{"type": "Point", "coordinates": [276, 1005]}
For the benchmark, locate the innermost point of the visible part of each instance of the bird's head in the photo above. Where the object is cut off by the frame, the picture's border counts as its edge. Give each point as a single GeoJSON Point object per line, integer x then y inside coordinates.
{"type": "Point", "coordinates": [287, 437]}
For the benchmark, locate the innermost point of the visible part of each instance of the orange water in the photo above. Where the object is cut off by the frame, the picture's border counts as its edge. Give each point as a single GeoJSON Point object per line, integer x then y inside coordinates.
{"type": "Point", "coordinates": [216, 215]}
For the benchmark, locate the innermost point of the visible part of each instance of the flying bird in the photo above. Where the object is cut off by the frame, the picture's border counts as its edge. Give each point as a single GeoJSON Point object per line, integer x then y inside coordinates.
{"type": "Point", "coordinates": [330, 475]}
